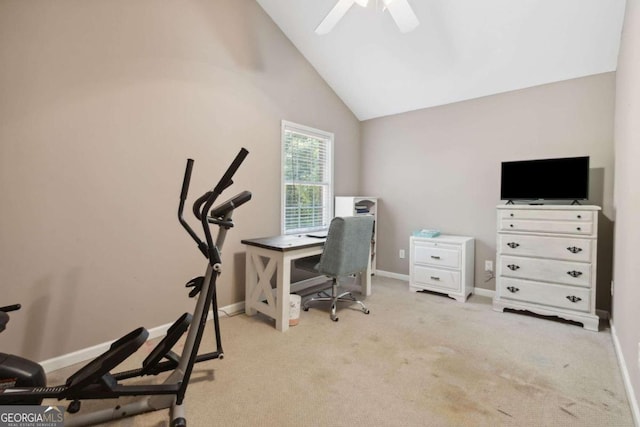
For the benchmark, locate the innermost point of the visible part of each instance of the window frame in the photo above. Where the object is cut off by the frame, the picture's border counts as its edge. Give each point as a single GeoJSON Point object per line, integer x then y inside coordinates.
{"type": "Point", "coordinates": [288, 126]}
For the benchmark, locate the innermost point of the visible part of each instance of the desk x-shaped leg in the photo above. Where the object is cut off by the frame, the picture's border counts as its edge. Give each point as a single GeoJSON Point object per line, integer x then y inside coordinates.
{"type": "Point", "coordinates": [259, 295]}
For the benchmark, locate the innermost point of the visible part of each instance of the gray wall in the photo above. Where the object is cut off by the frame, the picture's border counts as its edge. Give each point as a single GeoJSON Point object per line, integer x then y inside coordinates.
{"type": "Point", "coordinates": [626, 298]}
{"type": "Point", "coordinates": [101, 103]}
{"type": "Point", "coordinates": [440, 167]}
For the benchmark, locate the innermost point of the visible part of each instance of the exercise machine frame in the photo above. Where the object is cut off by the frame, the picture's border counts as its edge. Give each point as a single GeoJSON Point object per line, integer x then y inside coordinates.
{"type": "Point", "coordinates": [94, 380]}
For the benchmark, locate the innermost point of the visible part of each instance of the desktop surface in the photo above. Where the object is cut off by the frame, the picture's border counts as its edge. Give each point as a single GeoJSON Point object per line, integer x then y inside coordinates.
{"type": "Point", "coordinates": [285, 242]}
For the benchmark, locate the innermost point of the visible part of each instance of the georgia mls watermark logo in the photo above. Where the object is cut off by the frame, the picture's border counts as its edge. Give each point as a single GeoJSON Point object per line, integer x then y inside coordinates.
{"type": "Point", "coordinates": [31, 416]}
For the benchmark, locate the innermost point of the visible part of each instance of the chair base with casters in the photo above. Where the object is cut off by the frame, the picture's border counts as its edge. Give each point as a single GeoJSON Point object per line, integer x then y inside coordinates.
{"type": "Point", "coordinates": [335, 298]}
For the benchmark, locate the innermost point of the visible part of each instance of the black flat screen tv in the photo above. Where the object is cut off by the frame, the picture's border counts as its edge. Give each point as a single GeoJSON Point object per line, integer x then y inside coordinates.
{"type": "Point", "coordinates": [545, 179]}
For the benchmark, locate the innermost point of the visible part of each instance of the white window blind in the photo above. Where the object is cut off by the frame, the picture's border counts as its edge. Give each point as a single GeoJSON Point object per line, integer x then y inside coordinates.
{"type": "Point", "coordinates": [307, 172]}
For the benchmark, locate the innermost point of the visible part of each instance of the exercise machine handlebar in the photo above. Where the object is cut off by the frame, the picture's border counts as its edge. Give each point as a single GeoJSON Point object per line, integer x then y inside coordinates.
{"type": "Point", "coordinates": [4, 317]}
{"type": "Point", "coordinates": [218, 214]}
{"type": "Point", "coordinates": [225, 181]}
{"type": "Point", "coordinates": [204, 203]}
{"type": "Point", "coordinates": [183, 197]}
{"type": "Point", "coordinates": [9, 308]}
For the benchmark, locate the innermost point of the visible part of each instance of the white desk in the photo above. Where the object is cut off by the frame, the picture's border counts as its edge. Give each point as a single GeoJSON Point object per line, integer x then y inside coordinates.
{"type": "Point", "coordinates": [278, 252]}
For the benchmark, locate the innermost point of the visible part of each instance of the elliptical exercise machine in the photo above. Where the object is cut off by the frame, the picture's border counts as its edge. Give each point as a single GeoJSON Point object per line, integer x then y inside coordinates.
{"type": "Point", "coordinates": [23, 381]}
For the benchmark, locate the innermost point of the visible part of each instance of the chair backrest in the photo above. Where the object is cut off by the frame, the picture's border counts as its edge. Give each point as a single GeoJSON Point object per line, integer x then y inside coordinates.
{"type": "Point", "coordinates": [348, 245]}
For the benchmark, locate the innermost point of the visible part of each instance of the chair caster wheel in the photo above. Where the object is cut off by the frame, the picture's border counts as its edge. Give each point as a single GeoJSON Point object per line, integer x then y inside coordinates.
{"type": "Point", "coordinates": [305, 308]}
{"type": "Point", "coordinates": [179, 422]}
{"type": "Point", "coordinates": [367, 311]}
{"type": "Point", "coordinates": [335, 319]}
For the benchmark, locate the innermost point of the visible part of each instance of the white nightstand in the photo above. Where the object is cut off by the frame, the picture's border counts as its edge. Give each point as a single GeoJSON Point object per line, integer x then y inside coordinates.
{"type": "Point", "coordinates": [442, 264]}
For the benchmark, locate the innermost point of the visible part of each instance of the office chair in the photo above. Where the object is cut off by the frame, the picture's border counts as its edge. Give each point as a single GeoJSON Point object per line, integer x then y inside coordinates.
{"type": "Point", "coordinates": [346, 252]}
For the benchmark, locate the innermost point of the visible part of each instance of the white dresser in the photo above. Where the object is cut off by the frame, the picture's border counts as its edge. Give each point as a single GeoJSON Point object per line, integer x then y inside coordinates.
{"type": "Point", "coordinates": [546, 261]}
{"type": "Point", "coordinates": [442, 264]}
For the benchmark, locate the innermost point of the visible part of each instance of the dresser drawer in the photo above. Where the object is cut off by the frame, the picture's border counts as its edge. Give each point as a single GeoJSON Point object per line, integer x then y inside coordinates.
{"type": "Point", "coordinates": [567, 297]}
{"type": "Point", "coordinates": [547, 214]}
{"type": "Point", "coordinates": [441, 255]}
{"type": "Point", "coordinates": [434, 277]}
{"type": "Point", "coordinates": [562, 248]}
{"type": "Point", "coordinates": [542, 226]}
{"type": "Point", "coordinates": [547, 270]}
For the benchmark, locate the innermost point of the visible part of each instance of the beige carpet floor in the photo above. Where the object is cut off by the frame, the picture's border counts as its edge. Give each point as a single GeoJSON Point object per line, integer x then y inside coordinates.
{"type": "Point", "coordinates": [419, 359]}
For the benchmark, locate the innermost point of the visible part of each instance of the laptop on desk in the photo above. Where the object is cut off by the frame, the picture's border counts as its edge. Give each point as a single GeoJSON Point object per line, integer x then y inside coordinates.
{"type": "Point", "coordinates": [320, 234]}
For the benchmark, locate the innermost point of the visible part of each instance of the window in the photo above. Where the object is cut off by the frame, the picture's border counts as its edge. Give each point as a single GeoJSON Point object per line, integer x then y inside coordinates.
{"type": "Point", "coordinates": [307, 178]}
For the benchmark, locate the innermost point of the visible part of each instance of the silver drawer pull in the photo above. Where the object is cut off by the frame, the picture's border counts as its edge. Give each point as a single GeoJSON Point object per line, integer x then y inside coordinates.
{"type": "Point", "coordinates": [513, 267]}
{"type": "Point", "coordinates": [435, 278]}
{"type": "Point", "coordinates": [574, 250]}
{"type": "Point", "coordinates": [573, 298]}
{"type": "Point", "coordinates": [513, 289]}
{"type": "Point", "coordinates": [435, 257]}
{"type": "Point", "coordinates": [574, 273]}
{"type": "Point", "coordinates": [513, 245]}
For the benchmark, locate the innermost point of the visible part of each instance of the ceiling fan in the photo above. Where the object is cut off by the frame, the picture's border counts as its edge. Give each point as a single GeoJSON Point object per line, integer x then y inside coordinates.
{"type": "Point", "coordinates": [400, 11]}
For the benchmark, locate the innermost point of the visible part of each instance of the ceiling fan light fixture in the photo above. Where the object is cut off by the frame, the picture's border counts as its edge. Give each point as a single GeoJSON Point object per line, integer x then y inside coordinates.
{"type": "Point", "coordinates": [400, 11]}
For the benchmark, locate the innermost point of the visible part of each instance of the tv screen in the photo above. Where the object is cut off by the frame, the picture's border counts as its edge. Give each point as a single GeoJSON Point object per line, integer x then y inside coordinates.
{"type": "Point", "coordinates": [546, 179]}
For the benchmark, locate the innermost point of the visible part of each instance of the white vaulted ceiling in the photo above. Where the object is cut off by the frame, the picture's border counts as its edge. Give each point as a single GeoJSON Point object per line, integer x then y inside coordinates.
{"type": "Point", "coordinates": [462, 49]}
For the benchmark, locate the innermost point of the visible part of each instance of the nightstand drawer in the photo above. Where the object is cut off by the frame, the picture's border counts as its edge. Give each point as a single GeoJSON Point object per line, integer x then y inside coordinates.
{"type": "Point", "coordinates": [444, 279]}
{"type": "Point", "coordinates": [437, 255]}
{"type": "Point", "coordinates": [546, 270]}
{"type": "Point", "coordinates": [567, 297]}
{"type": "Point", "coordinates": [563, 248]}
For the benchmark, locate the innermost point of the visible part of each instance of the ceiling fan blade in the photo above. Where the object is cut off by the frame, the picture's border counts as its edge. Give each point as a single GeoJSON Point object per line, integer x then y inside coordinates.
{"type": "Point", "coordinates": [402, 13]}
{"type": "Point", "coordinates": [338, 11]}
{"type": "Point", "coordinates": [362, 3]}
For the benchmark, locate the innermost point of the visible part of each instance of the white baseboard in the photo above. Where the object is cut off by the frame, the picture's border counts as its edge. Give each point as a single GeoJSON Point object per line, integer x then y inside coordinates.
{"type": "Point", "coordinates": [405, 277]}
{"type": "Point", "coordinates": [631, 396]}
{"type": "Point", "coordinates": [95, 351]}
{"type": "Point", "coordinates": [228, 310]}
{"type": "Point", "coordinates": [391, 275]}
{"type": "Point", "coordinates": [484, 292]}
